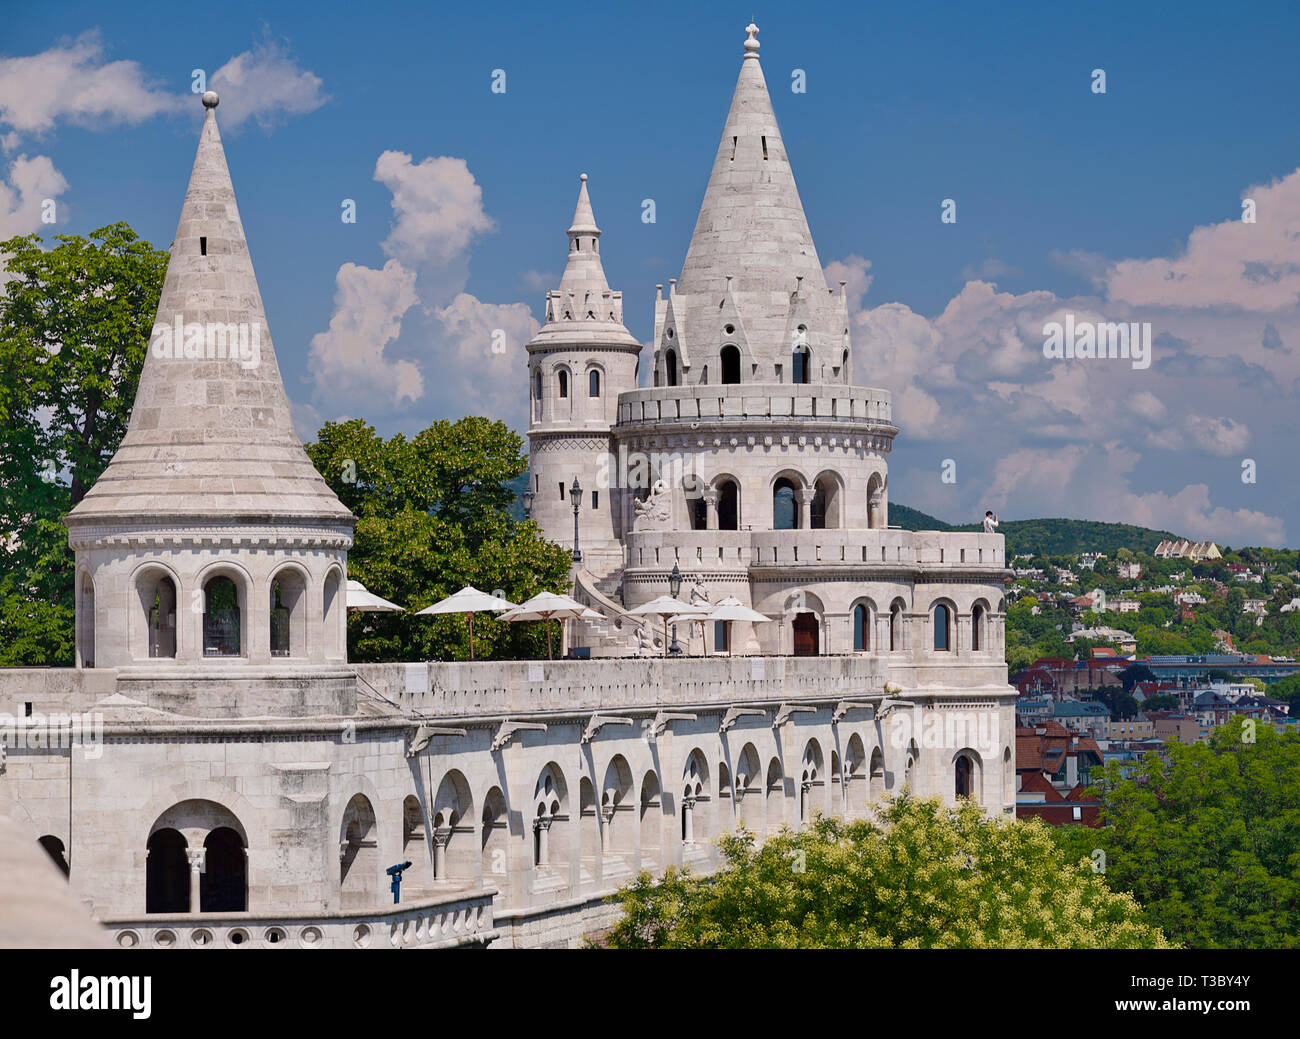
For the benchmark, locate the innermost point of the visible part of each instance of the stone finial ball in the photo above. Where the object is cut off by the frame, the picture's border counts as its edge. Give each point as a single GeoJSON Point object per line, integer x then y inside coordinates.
{"type": "Point", "coordinates": [211, 99]}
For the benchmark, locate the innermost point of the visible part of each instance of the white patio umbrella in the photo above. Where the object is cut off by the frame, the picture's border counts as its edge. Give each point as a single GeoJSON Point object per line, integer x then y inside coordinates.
{"type": "Point", "coordinates": [547, 605]}
{"type": "Point", "coordinates": [666, 606]}
{"type": "Point", "coordinates": [732, 609]}
{"type": "Point", "coordinates": [471, 601]}
{"type": "Point", "coordinates": [359, 598]}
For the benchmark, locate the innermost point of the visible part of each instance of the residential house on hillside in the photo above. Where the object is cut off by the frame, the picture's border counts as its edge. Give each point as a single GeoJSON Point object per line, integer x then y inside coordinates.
{"type": "Point", "coordinates": [1129, 571]}
{"type": "Point", "coordinates": [1053, 768]}
{"type": "Point", "coordinates": [1184, 549]}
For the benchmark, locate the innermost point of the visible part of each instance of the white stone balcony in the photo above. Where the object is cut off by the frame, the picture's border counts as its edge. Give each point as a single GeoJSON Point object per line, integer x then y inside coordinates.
{"type": "Point", "coordinates": [430, 923]}
{"type": "Point", "coordinates": [765, 403]}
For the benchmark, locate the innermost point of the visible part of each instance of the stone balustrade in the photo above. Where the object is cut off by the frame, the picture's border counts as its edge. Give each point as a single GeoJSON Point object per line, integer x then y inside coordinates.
{"type": "Point", "coordinates": [712, 550]}
{"type": "Point", "coordinates": [766, 402]}
{"type": "Point", "coordinates": [441, 922]}
{"type": "Point", "coordinates": [521, 687]}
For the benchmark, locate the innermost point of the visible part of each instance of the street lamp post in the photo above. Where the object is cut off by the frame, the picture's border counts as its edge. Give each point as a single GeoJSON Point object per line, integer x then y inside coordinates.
{"type": "Point", "coordinates": [674, 587]}
{"type": "Point", "coordinates": [575, 493]}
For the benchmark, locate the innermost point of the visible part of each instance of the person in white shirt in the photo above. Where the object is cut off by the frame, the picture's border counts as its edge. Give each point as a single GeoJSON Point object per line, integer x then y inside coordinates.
{"type": "Point", "coordinates": [990, 523]}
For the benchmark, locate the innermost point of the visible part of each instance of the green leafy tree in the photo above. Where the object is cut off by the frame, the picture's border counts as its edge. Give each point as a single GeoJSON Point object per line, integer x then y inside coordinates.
{"type": "Point", "coordinates": [433, 515]}
{"type": "Point", "coordinates": [930, 877]}
{"type": "Point", "coordinates": [75, 322]}
{"type": "Point", "coordinates": [1208, 837]}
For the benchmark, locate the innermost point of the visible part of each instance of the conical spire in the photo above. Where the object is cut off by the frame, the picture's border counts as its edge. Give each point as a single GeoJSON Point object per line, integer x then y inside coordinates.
{"type": "Point", "coordinates": [584, 274]}
{"type": "Point", "coordinates": [751, 225]}
{"type": "Point", "coordinates": [210, 435]}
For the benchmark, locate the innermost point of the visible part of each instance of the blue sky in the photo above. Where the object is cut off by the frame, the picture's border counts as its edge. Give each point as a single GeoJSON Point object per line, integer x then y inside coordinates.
{"type": "Point", "coordinates": [1066, 200]}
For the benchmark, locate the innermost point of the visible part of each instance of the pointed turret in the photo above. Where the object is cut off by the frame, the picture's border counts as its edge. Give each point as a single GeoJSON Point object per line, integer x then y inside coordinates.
{"type": "Point", "coordinates": [210, 434]}
{"type": "Point", "coordinates": [579, 361]}
{"type": "Point", "coordinates": [752, 248]}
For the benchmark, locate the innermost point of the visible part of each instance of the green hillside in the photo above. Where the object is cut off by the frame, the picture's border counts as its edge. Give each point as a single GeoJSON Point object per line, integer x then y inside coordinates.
{"type": "Point", "coordinates": [1056, 537]}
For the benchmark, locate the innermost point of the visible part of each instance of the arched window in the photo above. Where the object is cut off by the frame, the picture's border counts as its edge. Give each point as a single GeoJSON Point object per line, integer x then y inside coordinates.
{"type": "Point", "coordinates": [167, 873]}
{"type": "Point", "coordinates": [670, 367]}
{"type": "Point", "coordinates": [288, 614]}
{"type": "Point", "coordinates": [801, 363]}
{"type": "Point", "coordinates": [963, 776]}
{"type": "Point", "coordinates": [728, 505]}
{"type": "Point", "coordinates": [86, 622]}
{"type": "Point", "coordinates": [537, 384]}
{"type": "Point", "coordinates": [730, 365]}
{"type": "Point", "coordinates": [223, 882]}
{"type": "Point", "coordinates": [564, 383]}
{"type": "Point", "coordinates": [593, 383]}
{"type": "Point", "coordinates": [331, 614]}
{"type": "Point", "coordinates": [942, 619]}
{"type": "Point", "coordinates": [844, 367]}
{"type": "Point", "coordinates": [896, 627]}
{"type": "Point", "coordinates": [861, 627]}
{"type": "Point", "coordinates": [785, 513]}
{"type": "Point", "coordinates": [222, 635]}
{"type": "Point", "coordinates": [977, 620]}
{"type": "Point", "coordinates": [157, 594]}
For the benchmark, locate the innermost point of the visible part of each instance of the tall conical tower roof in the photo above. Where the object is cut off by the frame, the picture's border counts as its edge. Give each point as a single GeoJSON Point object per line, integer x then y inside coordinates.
{"type": "Point", "coordinates": [752, 266]}
{"type": "Point", "coordinates": [210, 435]}
{"type": "Point", "coordinates": [751, 225]}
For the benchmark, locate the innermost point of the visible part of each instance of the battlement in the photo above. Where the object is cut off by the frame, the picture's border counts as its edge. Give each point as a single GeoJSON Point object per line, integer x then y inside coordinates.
{"type": "Point", "coordinates": [862, 407]}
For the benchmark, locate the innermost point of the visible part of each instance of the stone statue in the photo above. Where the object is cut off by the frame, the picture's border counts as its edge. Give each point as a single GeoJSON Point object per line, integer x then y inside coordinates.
{"type": "Point", "coordinates": [655, 512]}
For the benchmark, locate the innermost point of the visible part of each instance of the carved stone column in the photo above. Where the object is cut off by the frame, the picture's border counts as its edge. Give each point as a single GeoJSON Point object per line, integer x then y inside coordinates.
{"type": "Point", "coordinates": [711, 508]}
{"type": "Point", "coordinates": [198, 865]}
{"type": "Point", "coordinates": [805, 496]}
{"type": "Point", "coordinates": [688, 820]}
{"type": "Point", "coordinates": [543, 827]}
{"type": "Point", "coordinates": [441, 835]}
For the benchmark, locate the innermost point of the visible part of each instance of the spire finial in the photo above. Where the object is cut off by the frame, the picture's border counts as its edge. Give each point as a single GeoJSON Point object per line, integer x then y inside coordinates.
{"type": "Point", "coordinates": [582, 177]}
{"type": "Point", "coordinates": [751, 40]}
{"type": "Point", "coordinates": [211, 99]}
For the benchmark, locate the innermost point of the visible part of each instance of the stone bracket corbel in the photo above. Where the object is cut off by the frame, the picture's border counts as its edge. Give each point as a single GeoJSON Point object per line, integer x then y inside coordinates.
{"type": "Point", "coordinates": [785, 712]}
{"type": "Point", "coordinates": [599, 721]}
{"type": "Point", "coordinates": [425, 733]}
{"type": "Point", "coordinates": [844, 706]}
{"type": "Point", "coordinates": [734, 714]}
{"type": "Point", "coordinates": [507, 730]}
{"type": "Point", "coordinates": [662, 718]}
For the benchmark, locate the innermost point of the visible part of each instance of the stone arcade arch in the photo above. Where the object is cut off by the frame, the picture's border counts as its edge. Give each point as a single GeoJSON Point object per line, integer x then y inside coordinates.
{"type": "Point", "coordinates": [896, 638]}
{"type": "Point", "coordinates": [826, 510]}
{"type": "Point", "coordinates": [86, 621]}
{"type": "Point", "coordinates": [288, 605]}
{"type": "Point", "coordinates": [152, 630]}
{"type": "Point", "coordinates": [651, 822]}
{"type": "Point", "coordinates": [550, 813]}
{"type": "Point", "coordinates": [167, 872]}
{"type": "Point", "coordinates": [837, 787]}
{"type": "Point", "coordinates": [415, 847]}
{"type": "Point", "coordinates": [333, 610]}
{"type": "Point", "coordinates": [876, 502]}
{"type": "Point", "coordinates": [811, 780]}
{"type": "Point", "coordinates": [774, 802]}
{"type": "Point", "coordinates": [979, 626]}
{"type": "Point", "coordinates": [695, 795]}
{"type": "Point", "coordinates": [618, 829]}
{"type": "Point", "coordinates": [54, 849]}
{"type": "Point", "coordinates": [876, 785]}
{"type": "Point", "coordinates": [196, 860]}
{"type": "Point", "coordinates": [968, 774]}
{"type": "Point", "coordinates": [359, 855]}
{"type": "Point", "coordinates": [749, 790]}
{"type": "Point", "coordinates": [856, 779]}
{"type": "Point", "coordinates": [454, 854]}
{"type": "Point", "coordinates": [225, 603]}
{"type": "Point", "coordinates": [496, 842]}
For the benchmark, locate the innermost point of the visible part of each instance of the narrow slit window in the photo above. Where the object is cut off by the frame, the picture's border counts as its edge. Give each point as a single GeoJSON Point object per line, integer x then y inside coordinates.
{"type": "Point", "coordinates": [764, 140]}
{"type": "Point", "coordinates": [203, 246]}
{"type": "Point", "coordinates": [561, 490]}
{"type": "Point", "coordinates": [595, 500]}
{"type": "Point", "coordinates": [733, 148]}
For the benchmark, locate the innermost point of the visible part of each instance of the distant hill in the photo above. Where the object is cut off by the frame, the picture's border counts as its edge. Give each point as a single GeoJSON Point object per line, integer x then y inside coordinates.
{"type": "Point", "coordinates": [1053, 537]}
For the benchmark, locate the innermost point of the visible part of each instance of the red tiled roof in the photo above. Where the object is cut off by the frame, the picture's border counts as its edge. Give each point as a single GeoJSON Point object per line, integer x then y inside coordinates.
{"type": "Point", "coordinates": [1036, 783]}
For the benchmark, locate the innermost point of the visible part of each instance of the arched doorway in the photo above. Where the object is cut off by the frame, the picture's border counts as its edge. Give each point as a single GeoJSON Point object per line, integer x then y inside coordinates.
{"type": "Point", "coordinates": [167, 873]}
{"type": "Point", "coordinates": [223, 883]}
{"type": "Point", "coordinates": [728, 505]}
{"type": "Point", "coordinates": [730, 365]}
{"type": "Point", "coordinates": [806, 635]}
{"type": "Point", "coordinates": [785, 510]}
{"type": "Point", "coordinates": [358, 855]}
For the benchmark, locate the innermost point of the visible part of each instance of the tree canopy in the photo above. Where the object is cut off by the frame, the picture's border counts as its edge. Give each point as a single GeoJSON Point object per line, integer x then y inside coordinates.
{"type": "Point", "coordinates": [75, 321]}
{"type": "Point", "coordinates": [929, 876]}
{"type": "Point", "coordinates": [433, 515]}
{"type": "Point", "coordinates": [1206, 837]}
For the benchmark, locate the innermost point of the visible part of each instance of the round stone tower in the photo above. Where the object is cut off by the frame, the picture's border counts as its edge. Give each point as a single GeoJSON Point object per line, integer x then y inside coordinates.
{"type": "Point", "coordinates": [578, 363]}
{"type": "Point", "coordinates": [211, 557]}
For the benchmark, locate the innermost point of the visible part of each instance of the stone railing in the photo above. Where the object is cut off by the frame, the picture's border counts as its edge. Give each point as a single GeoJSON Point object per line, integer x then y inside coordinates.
{"type": "Point", "coordinates": [712, 550]}
{"type": "Point", "coordinates": [770, 402]}
{"type": "Point", "coordinates": [501, 688]}
{"type": "Point", "coordinates": [431, 923]}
